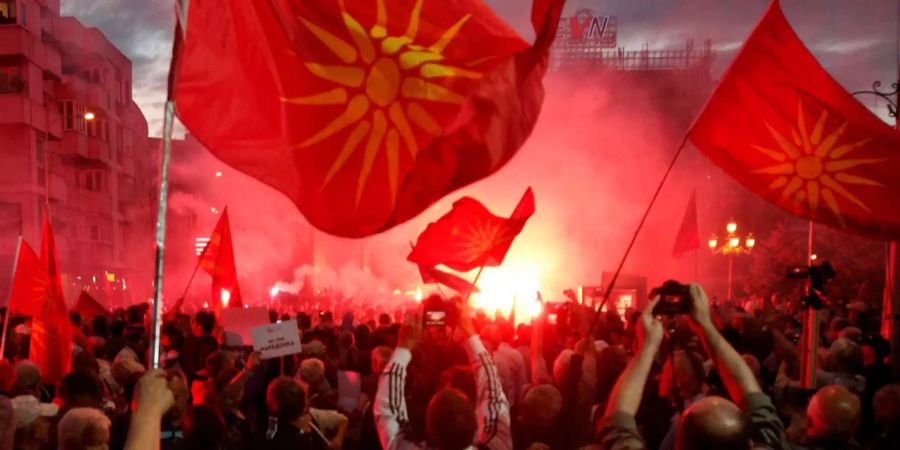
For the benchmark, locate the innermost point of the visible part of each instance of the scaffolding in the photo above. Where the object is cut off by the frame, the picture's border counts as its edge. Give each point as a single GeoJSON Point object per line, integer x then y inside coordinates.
{"type": "Point", "coordinates": [571, 54]}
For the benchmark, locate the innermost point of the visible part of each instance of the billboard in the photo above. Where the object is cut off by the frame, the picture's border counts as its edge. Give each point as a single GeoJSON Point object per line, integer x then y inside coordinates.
{"type": "Point", "coordinates": [588, 29]}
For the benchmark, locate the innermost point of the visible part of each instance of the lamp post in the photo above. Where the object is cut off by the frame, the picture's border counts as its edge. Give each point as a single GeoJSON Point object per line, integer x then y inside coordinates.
{"type": "Point", "coordinates": [732, 245]}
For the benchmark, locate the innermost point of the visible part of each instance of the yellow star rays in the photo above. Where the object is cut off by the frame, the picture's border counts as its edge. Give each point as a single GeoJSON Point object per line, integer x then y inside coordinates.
{"type": "Point", "coordinates": [382, 84]}
{"type": "Point", "coordinates": [812, 164]}
{"type": "Point", "coordinates": [479, 237]}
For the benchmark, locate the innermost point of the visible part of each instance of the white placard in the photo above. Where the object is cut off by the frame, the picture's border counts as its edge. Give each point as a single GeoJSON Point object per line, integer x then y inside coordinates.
{"type": "Point", "coordinates": [277, 339]}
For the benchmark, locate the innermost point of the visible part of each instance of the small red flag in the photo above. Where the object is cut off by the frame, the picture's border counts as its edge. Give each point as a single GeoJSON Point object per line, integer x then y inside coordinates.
{"type": "Point", "coordinates": [363, 113]}
{"type": "Point", "coordinates": [217, 259]}
{"type": "Point", "coordinates": [88, 307]}
{"type": "Point", "coordinates": [780, 125]}
{"type": "Point", "coordinates": [689, 234]}
{"type": "Point", "coordinates": [469, 236]}
{"type": "Point", "coordinates": [35, 294]}
{"type": "Point", "coordinates": [455, 282]}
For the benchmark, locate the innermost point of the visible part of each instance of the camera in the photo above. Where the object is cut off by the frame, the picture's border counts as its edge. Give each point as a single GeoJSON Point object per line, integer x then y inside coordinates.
{"type": "Point", "coordinates": [818, 276]}
{"type": "Point", "coordinates": [674, 299]}
{"type": "Point", "coordinates": [440, 313]}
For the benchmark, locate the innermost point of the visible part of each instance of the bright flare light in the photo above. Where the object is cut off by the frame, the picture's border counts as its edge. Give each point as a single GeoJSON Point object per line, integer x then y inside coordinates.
{"type": "Point", "coordinates": [274, 291]}
{"type": "Point", "coordinates": [502, 285]}
{"type": "Point", "coordinates": [226, 297]}
{"type": "Point", "coordinates": [418, 294]}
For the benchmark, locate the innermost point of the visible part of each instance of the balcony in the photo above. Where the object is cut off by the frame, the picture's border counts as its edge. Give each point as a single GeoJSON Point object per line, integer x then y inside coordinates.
{"type": "Point", "coordinates": [97, 202]}
{"type": "Point", "coordinates": [76, 144]}
{"type": "Point", "coordinates": [97, 96]}
{"type": "Point", "coordinates": [58, 188]}
{"type": "Point", "coordinates": [15, 40]}
{"type": "Point", "coordinates": [54, 125]}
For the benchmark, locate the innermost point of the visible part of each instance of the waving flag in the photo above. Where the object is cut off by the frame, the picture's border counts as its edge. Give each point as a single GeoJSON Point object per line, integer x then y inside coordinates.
{"type": "Point", "coordinates": [88, 307]}
{"type": "Point", "coordinates": [469, 236]}
{"type": "Point", "coordinates": [363, 113]}
{"type": "Point", "coordinates": [689, 234]}
{"type": "Point", "coordinates": [217, 260]}
{"type": "Point", "coordinates": [780, 125]}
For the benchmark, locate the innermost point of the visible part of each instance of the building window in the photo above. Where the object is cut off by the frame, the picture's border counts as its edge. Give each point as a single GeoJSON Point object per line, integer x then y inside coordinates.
{"type": "Point", "coordinates": [40, 157]}
{"type": "Point", "coordinates": [11, 80]}
{"type": "Point", "coordinates": [7, 12]}
{"type": "Point", "coordinates": [92, 180]}
{"type": "Point", "coordinates": [73, 116]}
{"type": "Point", "coordinates": [95, 233]}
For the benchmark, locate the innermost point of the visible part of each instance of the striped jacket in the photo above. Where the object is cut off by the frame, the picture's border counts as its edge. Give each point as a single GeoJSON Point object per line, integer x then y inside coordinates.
{"type": "Point", "coordinates": [392, 418]}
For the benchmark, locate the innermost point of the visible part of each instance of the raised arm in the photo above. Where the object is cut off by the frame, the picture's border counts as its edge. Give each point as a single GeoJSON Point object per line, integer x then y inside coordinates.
{"type": "Point", "coordinates": [738, 378]}
{"type": "Point", "coordinates": [494, 425]}
{"type": "Point", "coordinates": [626, 394]}
{"type": "Point", "coordinates": [153, 400]}
{"type": "Point", "coordinates": [390, 411]}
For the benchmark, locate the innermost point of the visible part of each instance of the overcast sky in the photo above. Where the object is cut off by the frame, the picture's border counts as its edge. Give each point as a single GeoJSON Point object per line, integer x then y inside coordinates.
{"type": "Point", "coordinates": [856, 40]}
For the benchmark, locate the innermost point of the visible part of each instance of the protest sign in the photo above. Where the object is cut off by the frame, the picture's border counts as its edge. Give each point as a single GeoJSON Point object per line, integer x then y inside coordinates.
{"type": "Point", "coordinates": [277, 339]}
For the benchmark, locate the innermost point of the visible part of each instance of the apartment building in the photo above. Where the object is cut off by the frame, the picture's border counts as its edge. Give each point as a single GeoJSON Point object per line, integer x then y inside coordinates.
{"type": "Point", "coordinates": [72, 141]}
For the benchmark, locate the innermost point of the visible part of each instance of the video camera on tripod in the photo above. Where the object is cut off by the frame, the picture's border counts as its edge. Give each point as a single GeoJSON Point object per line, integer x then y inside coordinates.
{"type": "Point", "coordinates": [818, 276]}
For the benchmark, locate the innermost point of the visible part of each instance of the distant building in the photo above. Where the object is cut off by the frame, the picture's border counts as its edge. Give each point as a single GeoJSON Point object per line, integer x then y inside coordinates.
{"type": "Point", "coordinates": [72, 137]}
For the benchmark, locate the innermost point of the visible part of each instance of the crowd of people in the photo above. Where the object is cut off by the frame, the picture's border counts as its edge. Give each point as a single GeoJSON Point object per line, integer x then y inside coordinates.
{"type": "Point", "coordinates": [723, 376]}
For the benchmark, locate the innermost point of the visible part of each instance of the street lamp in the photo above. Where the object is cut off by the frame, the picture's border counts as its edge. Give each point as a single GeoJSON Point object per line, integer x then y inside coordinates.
{"type": "Point", "coordinates": [89, 116]}
{"type": "Point", "coordinates": [732, 245]}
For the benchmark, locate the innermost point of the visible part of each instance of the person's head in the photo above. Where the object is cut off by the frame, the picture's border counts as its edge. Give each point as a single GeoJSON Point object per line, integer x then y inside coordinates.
{"type": "Point", "coordinates": [381, 356]}
{"type": "Point", "coordinates": [304, 321]}
{"type": "Point", "coordinates": [83, 429]}
{"type": "Point", "coordinates": [179, 386]}
{"type": "Point", "coordinates": [97, 347]}
{"type": "Point", "coordinates": [837, 325]}
{"type": "Point", "coordinates": [874, 348]}
{"type": "Point", "coordinates": [346, 339]}
{"type": "Point", "coordinates": [384, 319]}
{"type": "Point", "coordinates": [286, 399]}
{"type": "Point", "coordinates": [217, 362]}
{"type": "Point", "coordinates": [86, 361]}
{"type": "Point", "coordinates": [887, 406]}
{"type": "Point", "coordinates": [683, 380]}
{"type": "Point", "coordinates": [204, 324]}
{"type": "Point", "coordinates": [75, 319]}
{"type": "Point", "coordinates": [852, 333]}
{"type": "Point", "coordinates": [204, 428]}
{"type": "Point", "coordinates": [713, 423]}
{"type": "Point", "coordinates": [81, 389]}
{"type": "Point", "coordinates": [117, 329]}
{"type": "Point", "coordinates": [843, 356]}
{"type": "Point", "coordinates": [450, 420]}
{"type": "Point", "coordinates": [312, 372]}
{"type": "Point", "coordinates": [171, 337]}
{"type": "Point", "coordinates": [100, 326]}
{"type": "Point", "coordinates": [832, 415]}
{"type": "Point", "coordinates": [32, 421]}
{"type": "Point", "coordinates": [28, 379]}
{"type": "Point", "coordinates": [363, 337]}
{"type": "Point", "coordinates": [135, 315]}
{"type": "Point", "coordinates": [461, 378]}
{"type": "Point", "coordinates": [541, 406]}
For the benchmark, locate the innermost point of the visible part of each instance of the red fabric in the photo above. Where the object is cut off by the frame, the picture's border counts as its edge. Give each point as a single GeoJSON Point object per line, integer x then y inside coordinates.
{"type": "Point", "coordinates": [217, 260]}
{"type": "Point", "coordinates": [455, 282]}
{"type": "Point", "coordinates": [689, 234]}
{"type": "Point", "coordinates": [88, 307]}
{"type": "Point", "coordinates": [362, 130]}
{"type": "Point", "coordinates": [469, 236]}
{"type": "Point", "coordinates": [35, 294]}
{"type": "Point", "coordinates": [780, 125]}
{"type": "Point", "coordinates": [48, 256]}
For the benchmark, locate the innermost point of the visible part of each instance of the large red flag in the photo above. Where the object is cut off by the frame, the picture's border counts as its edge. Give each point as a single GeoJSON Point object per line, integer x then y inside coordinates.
{"type": "Point", "coordinates": [689, 234]}
{"type": "Point", "coordinates": [363, 113]}
{"type": "Point", "coordinates": [469, 236]}
{"type": "Point", "coordinates": [35, 294]}
{"type": "Point", "coordinates": [48, 256]}
{"type": "Point", "coordinates": [217, 259]}
{"type": "Point", "coordinates": [780, 125]}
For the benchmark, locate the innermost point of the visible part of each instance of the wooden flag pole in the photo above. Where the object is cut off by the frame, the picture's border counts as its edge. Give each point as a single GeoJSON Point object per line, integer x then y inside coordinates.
{"type": "Point", "coordinates": [9, 299]}
{"type": "Point", "coordinates": [474, 284]}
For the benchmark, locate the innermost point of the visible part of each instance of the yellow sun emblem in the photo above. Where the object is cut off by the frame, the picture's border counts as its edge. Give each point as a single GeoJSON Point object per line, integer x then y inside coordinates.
{"type": "Point", "coordinates": [812, 165]}
{"type": "Point", "coordinates": [479, 237]}
{"type": "Point", "coordinates": [380, 85]}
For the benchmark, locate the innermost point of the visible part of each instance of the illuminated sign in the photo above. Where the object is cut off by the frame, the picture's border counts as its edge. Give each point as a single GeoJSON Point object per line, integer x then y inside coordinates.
{"type": "Point", "coordinates": [588, 29]}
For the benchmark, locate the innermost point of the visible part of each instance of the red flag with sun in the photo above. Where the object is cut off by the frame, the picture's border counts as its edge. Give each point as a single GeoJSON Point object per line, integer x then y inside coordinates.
{"type": "Point", "coordinates": [362, 112]}
{"type": "Point", "coordinates": [780, 125]}
{"type": "Point", "coordinates": [469, 236]}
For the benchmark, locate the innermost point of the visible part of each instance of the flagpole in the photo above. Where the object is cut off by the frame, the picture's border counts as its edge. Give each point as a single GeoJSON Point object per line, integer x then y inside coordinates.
{"type": "Point", "coordinates": [191, 280]}
{"type": "Point", "coordinates": [612, 282]}
{"type": "Point", "coordinates": [9, 299]}
{"type": "Point", "coordinates": [474, 283]}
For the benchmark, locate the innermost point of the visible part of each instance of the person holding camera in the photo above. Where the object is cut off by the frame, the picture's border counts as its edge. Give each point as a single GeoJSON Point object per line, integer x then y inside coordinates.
{"type": "Point", "coordinates": [709, 423]}
{"type": "Point", "coordinates": [452, 420]}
